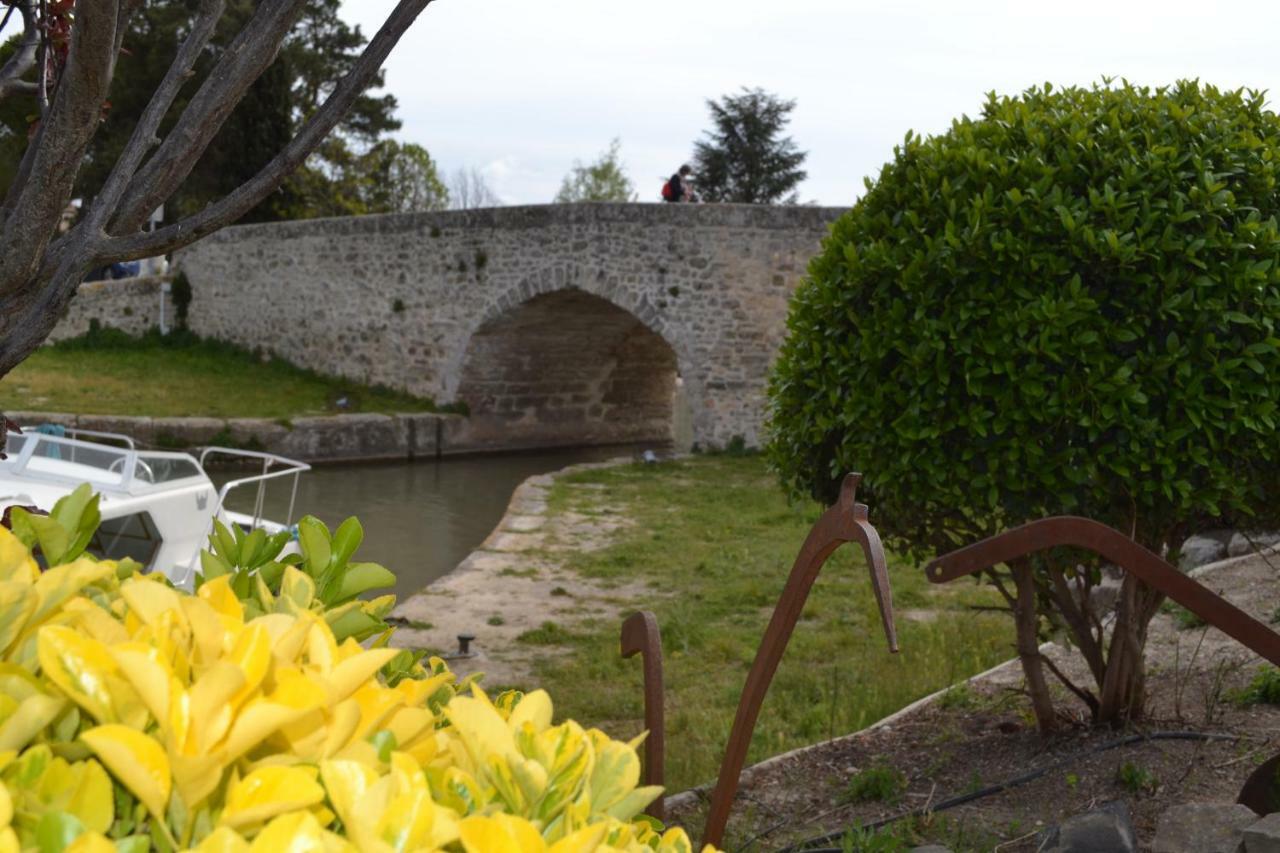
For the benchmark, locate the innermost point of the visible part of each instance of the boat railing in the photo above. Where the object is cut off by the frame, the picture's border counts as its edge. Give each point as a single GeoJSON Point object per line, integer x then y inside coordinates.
{"type": "Point", "coordinates": [85, 456]}
{"type": "Point", "coordinates": [274, 467]}
{"type": "Point", "coordinates": [75, 433]}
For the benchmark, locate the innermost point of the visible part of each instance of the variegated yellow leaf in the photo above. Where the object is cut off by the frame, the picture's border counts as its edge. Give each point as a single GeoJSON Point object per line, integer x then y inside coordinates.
{"type": "Point", "coordinates": [252, 653]}
{"type": "Point", "coordinates": [17, 603]}
{"type": "Point", "coordinates": [149, 600]}
{"type": "Point", "coordinates": [92, 799]}
{"type": "Point", "coordinates": [223, 840]}
{"type": "Point", "coordinates": [80, 666]}
{"type": "Point", "coordinates": [15, 560]}
{"type": "Point", "coordinates": [297, 590]}
{"type": "Point", "coordinates": [28, 718]}
{"type": "Point", "coordinates": [535, 709]}
{"type": "Point", "coordinates": [217, 593]}
{"type": "Point", "coordinates": [270, 791]}
{"type": "Point", "coordinates": [297, 832]}
{"type": "Point", "coordinates": [142, 666]}
{"type": "Point", "coordinates": [585, 840]}
{"type": "Point", "coordinates": [136, 760]}
{"type": "Point", "coordinates": [347, 783]}
{"type": "Point", "coordinates": [57, 585]}
{"type": "Point", "coordinates": [501, 833]}
{"type": "Point", "coordinates": [91, 842]}
{"type": "Point", "coordinates": [211, 709]}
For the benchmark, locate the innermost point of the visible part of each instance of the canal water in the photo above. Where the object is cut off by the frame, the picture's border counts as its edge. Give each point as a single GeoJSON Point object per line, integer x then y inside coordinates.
{"type": "Point", "coordinates": [420, 519]}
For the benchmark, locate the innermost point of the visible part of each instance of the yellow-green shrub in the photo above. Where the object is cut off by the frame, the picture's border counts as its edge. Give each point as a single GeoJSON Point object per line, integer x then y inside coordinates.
{"type": "Point", "coordinates": [134, 716]}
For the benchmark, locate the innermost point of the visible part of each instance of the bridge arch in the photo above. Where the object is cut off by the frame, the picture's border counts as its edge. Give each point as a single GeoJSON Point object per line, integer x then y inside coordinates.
{"type": "Point", "coordinates": [550, 364]}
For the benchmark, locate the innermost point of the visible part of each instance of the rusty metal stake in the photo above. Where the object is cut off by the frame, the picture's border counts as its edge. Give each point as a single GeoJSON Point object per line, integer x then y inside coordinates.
{"type": "Point", "coordinates": [844, 522]}
{"type": "Point", "coordinates": [640, 634]}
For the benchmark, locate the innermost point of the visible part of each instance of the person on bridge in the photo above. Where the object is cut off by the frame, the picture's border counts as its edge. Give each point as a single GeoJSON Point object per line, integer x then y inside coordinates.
{"type": "Point", "coordinates": [678, 187]}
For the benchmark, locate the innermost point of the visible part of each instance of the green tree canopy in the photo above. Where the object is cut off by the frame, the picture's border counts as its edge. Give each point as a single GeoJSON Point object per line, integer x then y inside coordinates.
{"type": "Point", "coordinates": [1068, 305]}
{"type": "Point", "coordinates": [390, 177]}
{"type": "Point", "coordinates": [744, 157]}
{"type": "Point", "coordinates": [602, 180]}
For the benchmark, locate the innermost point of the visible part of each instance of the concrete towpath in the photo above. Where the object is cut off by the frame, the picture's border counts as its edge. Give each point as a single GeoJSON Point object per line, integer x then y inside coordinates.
{"type": "Point", "coordinates": [516, 582]}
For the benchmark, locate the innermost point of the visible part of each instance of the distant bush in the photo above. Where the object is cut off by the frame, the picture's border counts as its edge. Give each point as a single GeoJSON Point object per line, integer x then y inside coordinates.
{"type": "Point", "coordinates": [1067, 305]}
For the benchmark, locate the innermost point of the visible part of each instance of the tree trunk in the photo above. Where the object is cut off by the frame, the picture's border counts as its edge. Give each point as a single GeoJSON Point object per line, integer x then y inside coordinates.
{"type": "Point", "coordinates": [1027, 618]}
{"type": "Point", "coordinates": [1123, 694]}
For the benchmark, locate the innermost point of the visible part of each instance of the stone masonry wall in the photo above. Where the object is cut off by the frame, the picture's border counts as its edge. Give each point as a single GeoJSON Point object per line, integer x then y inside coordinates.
{"type": "Point", "coordinates": [131, 305]}
{"type": "Point", "coordinates": [398, 299]}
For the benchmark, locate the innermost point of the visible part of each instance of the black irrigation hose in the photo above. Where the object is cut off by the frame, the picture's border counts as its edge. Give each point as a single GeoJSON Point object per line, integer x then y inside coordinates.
{"type": "Point", "coordinates": [1002, 786]}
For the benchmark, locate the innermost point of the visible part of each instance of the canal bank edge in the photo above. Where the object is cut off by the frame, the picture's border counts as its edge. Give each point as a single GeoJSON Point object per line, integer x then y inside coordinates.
{"type": "Point", "coordinates": [504, 575]}
{"type": "Point", "coordinates": [319, 439]}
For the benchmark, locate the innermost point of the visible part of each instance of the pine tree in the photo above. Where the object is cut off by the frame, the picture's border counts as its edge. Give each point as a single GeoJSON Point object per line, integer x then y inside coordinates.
{"type": "Point", "coordinates": [744, 158]}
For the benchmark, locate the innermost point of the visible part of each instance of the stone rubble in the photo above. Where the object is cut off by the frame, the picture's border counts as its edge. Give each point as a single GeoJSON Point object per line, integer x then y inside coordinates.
{"type": "Point", "coordinates": [1203, 828]}
{"type": "Point", "coordinates": [1106, 829]}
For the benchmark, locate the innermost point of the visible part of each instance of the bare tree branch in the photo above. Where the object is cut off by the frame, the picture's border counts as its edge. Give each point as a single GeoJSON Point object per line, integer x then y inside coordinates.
{"type": "Point", "coordinates": [24, 58]}
{"type": "Point", "coordinates": [33, 210]}
{"type": "Point", "coordinates": [250, 53]}
{"type": "Point", "coordinates": [39, 278]}
{"type": "Point", "coordinates": [144, 135]}
{"type": "Point", "coordinates": [1084, 695]}
{"type": "Point", "coordinates": [250, 194]}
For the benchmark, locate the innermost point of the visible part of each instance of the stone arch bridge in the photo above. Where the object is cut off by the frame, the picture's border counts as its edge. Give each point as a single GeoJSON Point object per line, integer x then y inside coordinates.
{"type": "Point", "coordinates": [555, 324]}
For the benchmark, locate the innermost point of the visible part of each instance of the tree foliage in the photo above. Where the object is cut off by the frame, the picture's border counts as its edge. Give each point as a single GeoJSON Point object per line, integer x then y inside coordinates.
{"type": "Point", "coordinates": [744, 157]}
{"type": "Point", "coordinates": [390, 177]}
{"type": "Point", "coordinates": [603, 180]}
{"type": "Point", "coordinates": [1068, 305]}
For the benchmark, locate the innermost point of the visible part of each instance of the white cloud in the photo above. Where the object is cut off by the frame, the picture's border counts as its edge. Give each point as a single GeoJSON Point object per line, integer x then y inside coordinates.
{"type": "Point", "coordinates": [534, 86]}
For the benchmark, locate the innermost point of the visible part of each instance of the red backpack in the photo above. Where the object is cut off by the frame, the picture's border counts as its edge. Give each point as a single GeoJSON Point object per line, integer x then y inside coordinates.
{"type": "Point", "coordinates": [668, 192]}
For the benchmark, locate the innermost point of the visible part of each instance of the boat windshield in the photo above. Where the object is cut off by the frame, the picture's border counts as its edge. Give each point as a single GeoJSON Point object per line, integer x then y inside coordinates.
{"type": "Point", "coordinates": [55, 457]}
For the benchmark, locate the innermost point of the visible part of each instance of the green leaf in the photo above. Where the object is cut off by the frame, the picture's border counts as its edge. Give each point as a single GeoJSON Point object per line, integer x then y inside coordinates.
{"type": "Point", "coordinates": [362, 577]}
{"type": "Point", "coordinates": [251, 546]}
{"type": "Point", "coordinates": [212, 566]}
{"type": "Point", "coordinates": [70, 508]}
{"type": "Point", "coordinates": [224, 543]}
{"type": "Point", "coordinates": [53, 539]}
{"type": "Point", "coordinates": [385, 742]}
{"type": "Point", "coordinates": [56, 831]}
{"type": "Point", "coordinates": [346, 539]}
{"type": "Point", "coordinates": [313, 538]}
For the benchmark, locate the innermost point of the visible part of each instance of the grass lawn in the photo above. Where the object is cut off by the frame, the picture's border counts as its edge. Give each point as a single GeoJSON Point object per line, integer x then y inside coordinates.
{"type": "Point", "coordinates": [109, 373]}
{"type": "Point", "coordinates": [713, 544]}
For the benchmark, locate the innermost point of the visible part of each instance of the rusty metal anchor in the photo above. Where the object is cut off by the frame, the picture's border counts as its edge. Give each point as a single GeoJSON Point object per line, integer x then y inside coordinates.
{"type": "Point", "coordinates": [640, 635]}
{"type": "Point", "coordinates": [846, 521]}
{"type": "Point", "coordinates": [1074, 531]}
{"type": "Point", "coordinates": [1261, 791]}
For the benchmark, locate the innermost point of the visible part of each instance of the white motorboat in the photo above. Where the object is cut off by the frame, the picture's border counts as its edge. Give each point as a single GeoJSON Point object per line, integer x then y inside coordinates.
{"type": "Point", "coordinates": [157, 507]}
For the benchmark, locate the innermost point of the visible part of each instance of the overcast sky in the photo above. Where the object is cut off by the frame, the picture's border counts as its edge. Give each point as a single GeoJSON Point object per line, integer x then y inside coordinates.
{"type": "Point", "coordinates": [520, 89]}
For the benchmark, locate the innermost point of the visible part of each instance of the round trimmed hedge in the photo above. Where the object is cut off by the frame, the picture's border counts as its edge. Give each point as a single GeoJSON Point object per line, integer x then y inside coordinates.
{"type": "Point", "coordinates": [1066, 305]}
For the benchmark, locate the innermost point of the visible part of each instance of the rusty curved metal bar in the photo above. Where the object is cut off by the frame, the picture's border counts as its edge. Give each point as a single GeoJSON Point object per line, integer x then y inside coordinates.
{"type": "Point", "coordinates": [846, 521]}
{"type": "Point", "coordinates": [1070, 530]}
{"type": "Point", "coordinates": [640, 635]}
